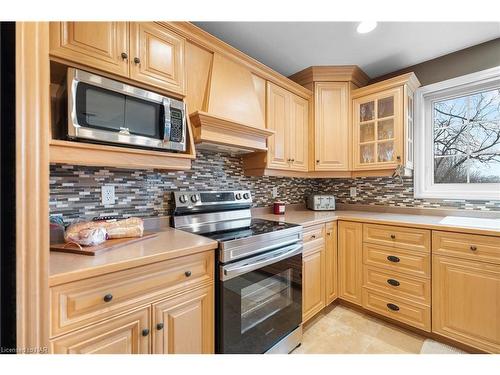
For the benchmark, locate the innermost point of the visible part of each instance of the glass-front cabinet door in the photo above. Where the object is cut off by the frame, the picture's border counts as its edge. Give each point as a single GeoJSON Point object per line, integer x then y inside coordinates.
{"type": "Point", "coordinates": [378, 131]}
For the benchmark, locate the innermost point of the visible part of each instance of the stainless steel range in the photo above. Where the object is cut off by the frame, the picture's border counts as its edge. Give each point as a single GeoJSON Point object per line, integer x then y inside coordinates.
{"type": "Point", "coordinates": [258, 268]}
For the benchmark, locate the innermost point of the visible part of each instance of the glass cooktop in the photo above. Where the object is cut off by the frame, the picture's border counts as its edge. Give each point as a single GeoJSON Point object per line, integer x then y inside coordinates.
{"type": "Point", "coordinates": [256, 227]}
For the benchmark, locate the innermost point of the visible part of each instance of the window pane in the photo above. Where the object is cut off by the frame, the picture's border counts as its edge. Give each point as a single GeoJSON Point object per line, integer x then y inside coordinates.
{"type": "Point", "coordinates": [485, 106]}
{"type": "Point", "coordinates": [367, 132]}
{"type": "Point", "coordinates": [367, 153]}
{"type": "Point", "coordinates": [467, 132]}
{"type": "Point", "coordinates": [450, 170]}
{"type": "Point", "coordinates": [385, 129]}
{"type": "Point", "coordinates": [385, 151]}
{"type": "Point", "coordinates": [480, 172]}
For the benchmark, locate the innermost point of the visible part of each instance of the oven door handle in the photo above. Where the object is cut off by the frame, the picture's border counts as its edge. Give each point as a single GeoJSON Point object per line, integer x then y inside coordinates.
{"type": "Point", "coordinates": [233, 270]}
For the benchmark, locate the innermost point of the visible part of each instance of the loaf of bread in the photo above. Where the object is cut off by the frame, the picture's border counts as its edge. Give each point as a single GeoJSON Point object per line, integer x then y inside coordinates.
{"type": "Point", "coordinates": [78, 232]}
{"type": "Point", "coordinates": [131, 227]}
{"type": "Point", "coordinates": [86, 236]}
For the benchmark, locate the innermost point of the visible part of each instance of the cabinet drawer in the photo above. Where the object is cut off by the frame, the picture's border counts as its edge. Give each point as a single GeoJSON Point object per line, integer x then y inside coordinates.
{"type": "Point", "coordinates": [314, 233]}
{"type": "Point", "coordinates": [467, 246]}
{"type": "Point", "coordinates": [404, 238]}
{"type": "Point", "coordinates": [414, 263]}
{"type": "Point", "coordinates": [412, 314]}
{"type": "Point", "coordinates": [413, 289]}
{"type": "Point", "coordinates": [83, 302]}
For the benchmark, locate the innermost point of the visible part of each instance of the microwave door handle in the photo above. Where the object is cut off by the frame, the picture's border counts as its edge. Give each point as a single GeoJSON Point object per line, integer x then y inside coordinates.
{"type": "Point", "coordinates": [167, 122]}
{"type": "Point", "coordinates": [229, 273]}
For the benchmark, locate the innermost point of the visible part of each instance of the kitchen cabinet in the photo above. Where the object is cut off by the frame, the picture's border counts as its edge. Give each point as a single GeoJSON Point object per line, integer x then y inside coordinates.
{"type": "Point", "coordinates": [466, 300]}
{"type": "Point", "coordinates": [383, 124]}
{"type": "Point", "coordinates": [287, 116]}
{"type": "Point", "coordinates": [101, 45]}
{"type": "Point", "coordinates": [126, 334]}
{"type": "Point", "coordinates": [331, 263]}
{"type": "Point", "coordinates": [331, 126]}
{"type": "Point", "coordinates": [146, 52]}
{"type": "Point", "coordinates": [313, 285]}
{"type": "Point", "coordinates": [184, 324]}
{"type": "Point", "coordinates": [167, 306]}
{"type": "Point", "coordinates": [350, 248]}
{"type": "Point", "coordinates": [157, 56]}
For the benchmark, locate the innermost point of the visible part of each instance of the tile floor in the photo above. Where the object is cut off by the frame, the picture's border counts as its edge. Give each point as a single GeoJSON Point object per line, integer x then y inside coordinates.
{"type": "Point", "coordinates": [342, 330]}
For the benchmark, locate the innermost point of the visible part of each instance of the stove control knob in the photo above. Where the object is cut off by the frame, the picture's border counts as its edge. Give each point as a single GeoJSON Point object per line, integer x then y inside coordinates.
{"type": "Point", "coordinates": [194, 198]}
{"type": "Point", "coordinates": [246, 195]}
{"type": "Point", "coordinates": [183, 198]}
{"type": "Point", "coordinates": [238, 196]}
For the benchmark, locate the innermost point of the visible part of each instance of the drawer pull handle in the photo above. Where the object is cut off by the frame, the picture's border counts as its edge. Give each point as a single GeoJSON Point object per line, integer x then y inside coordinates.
{"type": "Point", "coordinates": [393, 282]}
{"type": "Point", "coordinates": [393, 236]}
{"type": "Point", "coordinates": [159, 326]}
{"type": "Point", "coordinates": [473, 248]}
{"type": "Point", "coordinates": [187, 273]}
{"type": "Point", "coordinates": [108, 297]}
{"type": "Point", "coordinates": [392, 258]}
{"type": "Point", "coordinates": [393, 307]}
{"type": "Point", "coordinates": [145, 332]}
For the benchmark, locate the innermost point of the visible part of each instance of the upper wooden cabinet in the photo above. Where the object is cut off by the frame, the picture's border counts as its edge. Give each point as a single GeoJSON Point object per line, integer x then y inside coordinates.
{"type": "Point", "coordinates": [331, 126]}
{"type": "Point", "coordinates": [157, 56]}
{"type": "Point", "coordinates": [143, 51]}
{"type": "Point", "coordinates": [287, 115]}
{"type": "Point", "coordinates": [101, 45]}
{"type": "Point", "coordinates": [383, 124]}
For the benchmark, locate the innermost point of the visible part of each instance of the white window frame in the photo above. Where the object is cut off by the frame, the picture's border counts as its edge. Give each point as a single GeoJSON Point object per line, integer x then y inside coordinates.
{"type": "Point", "coordinates": [424, 141]}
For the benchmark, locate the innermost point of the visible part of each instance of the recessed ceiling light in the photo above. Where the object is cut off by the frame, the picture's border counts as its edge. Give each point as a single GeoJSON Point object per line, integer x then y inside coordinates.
{"type": "Point", "coordinates": [366, 26]}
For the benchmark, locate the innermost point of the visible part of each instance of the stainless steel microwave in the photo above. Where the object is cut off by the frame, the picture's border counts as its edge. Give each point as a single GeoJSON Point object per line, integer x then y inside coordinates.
{"type": "Point", "coordinates": [107, 111]}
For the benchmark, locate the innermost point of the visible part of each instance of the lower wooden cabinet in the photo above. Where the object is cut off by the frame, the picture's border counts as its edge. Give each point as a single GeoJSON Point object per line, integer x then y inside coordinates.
{"type": "Point", "coordinates": [313, 285]}
{"type": "Point", "coordinates": [466, 301]}
{"type": "Point", "coordinates": [184, 324]}
{"type": "Point", "coordinates": [331, 263]}
{"type": "Point", "coordinates": [125, 334]}
{"type": "Point", "coordinates": [350, 259]}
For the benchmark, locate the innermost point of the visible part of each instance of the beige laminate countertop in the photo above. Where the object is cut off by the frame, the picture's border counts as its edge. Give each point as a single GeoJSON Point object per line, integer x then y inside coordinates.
{"type": "Point", "coordinates": [307, 217]}
{"type": "Point", "coordinates": [168, 244]}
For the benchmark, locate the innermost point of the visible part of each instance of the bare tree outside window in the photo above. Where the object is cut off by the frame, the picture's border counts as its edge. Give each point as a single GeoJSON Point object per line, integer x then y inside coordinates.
{"type": "Point", "coordinates": [467, 138]}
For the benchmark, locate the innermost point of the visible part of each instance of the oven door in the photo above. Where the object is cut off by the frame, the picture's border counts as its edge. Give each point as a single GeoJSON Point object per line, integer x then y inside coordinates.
{"type": "Point", "coordinates": [259, 300]}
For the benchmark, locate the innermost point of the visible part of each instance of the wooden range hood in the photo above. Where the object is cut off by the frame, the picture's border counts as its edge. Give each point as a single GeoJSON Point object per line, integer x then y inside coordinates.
{"type": "Point", "coordinates": [226, 103]}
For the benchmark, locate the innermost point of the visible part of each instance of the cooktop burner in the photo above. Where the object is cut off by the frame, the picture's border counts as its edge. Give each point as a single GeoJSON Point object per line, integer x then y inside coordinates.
{"type": "Point", "coordinates": [256, 227]}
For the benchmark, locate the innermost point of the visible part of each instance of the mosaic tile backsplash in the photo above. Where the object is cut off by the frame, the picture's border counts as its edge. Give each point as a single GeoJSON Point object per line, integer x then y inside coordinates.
{"type": "Point", "coordinates": [75, 191]}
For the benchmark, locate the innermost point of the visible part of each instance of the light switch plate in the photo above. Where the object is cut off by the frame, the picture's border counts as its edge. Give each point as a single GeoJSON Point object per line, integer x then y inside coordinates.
{"type": "Point", "coordinates": [274, 192]}
{"type": "Point", "coordinates": [107, 195]}
{"type": "Point", "coordinates": [352, 191]}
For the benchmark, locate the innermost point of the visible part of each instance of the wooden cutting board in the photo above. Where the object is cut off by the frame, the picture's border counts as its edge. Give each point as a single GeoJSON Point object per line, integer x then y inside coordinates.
{"type": "Point", "coordinates": [96, 250]}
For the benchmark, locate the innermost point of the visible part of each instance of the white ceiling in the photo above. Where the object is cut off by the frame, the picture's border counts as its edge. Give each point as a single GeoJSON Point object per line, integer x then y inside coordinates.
{"type": "Point", "coordinates": [288, 47]}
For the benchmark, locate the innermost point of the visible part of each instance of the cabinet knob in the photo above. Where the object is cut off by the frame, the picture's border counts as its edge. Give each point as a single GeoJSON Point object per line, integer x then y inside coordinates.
{"type": "Point", "coordinates": [137, 60]}
{"type": "Point", "coordinates": [187, 273]}
{"type": "Point", "coordinates": [145, 332]}
{"type": "Point", "coordinates": [317, 161]}
{"type": "Point", "coordinates": [124, 56]}
{"type": "Point", "coordinates": [328, 233]}
{"type": "Point", "coordinates": [159, 326]}
{"type": "Point", "coordinates": [393, 307]}
{"type": "Point", "coordinates": [313, 236]}
{"type": "Point", "coordinates": [473, 248]}
{"type": "Point", "coordinates": [392, 258]}
{"type": "Point", "coordinates": [393, 282]}
{"type": "Point", "coordinates": [108, 297]}
{"type": "Point", "coordinates": [393, 236]}
{"type": "Point", "coordinates": [292, 160]}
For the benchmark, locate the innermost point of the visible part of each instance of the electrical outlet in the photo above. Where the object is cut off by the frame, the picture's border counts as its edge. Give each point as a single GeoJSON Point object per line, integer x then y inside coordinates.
{"type": "Point", "coordinates": [107, 195]}
{"type": "Point", "coordinates": [353, 192]}
{"type": "Point", "coordinates": [274, 192]}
